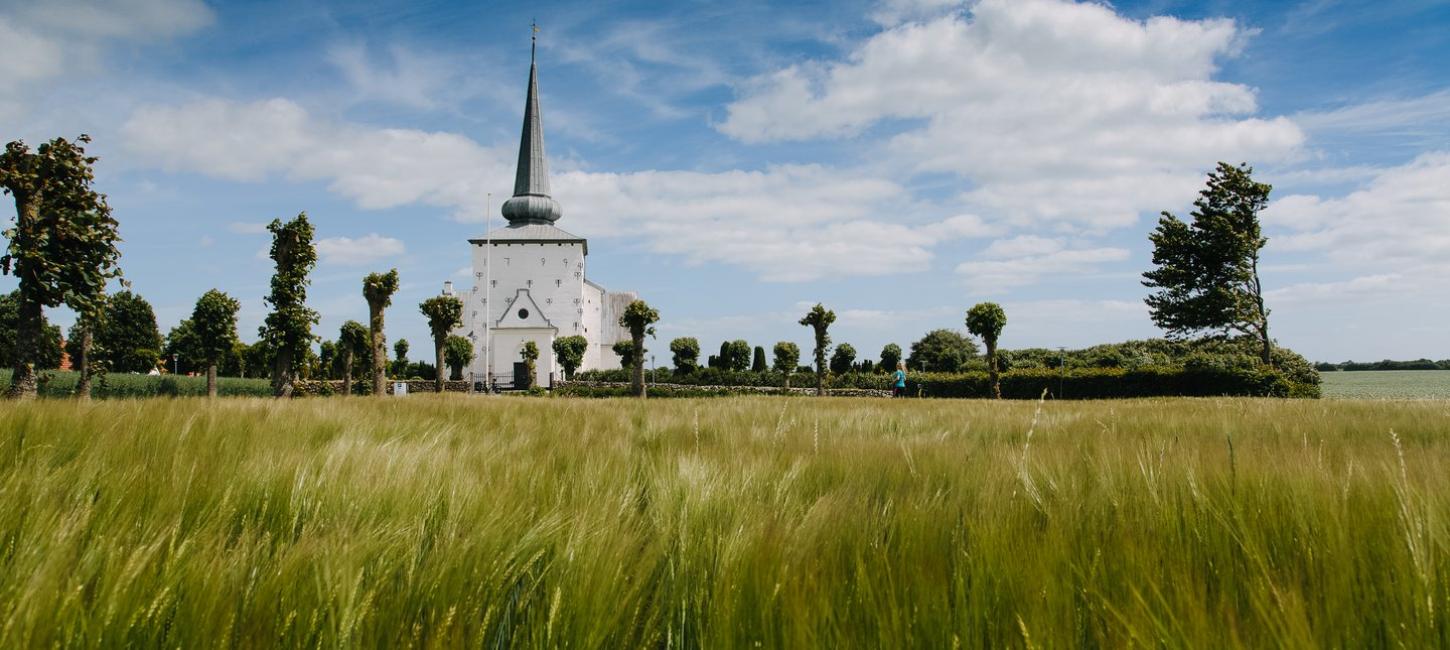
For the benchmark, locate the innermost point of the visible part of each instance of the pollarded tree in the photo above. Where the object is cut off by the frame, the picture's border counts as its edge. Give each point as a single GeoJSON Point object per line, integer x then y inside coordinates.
{"type": "Point", "coordinates": [352, 340]}
{"type": "Point", "coordinates": [787, 358]}
{"type": "Point", "coordinates": [1207, 271]}
{"type": "Point", "coordinates": [444, 313]}
{"type": "Point", "coordinates": [214, 321]}
{"type": "Point", "coordinates": [378, 289]}
{"type": "Point", "coordinates": [457, 353]}
{"type": "Point", "coordinates": [640, 318]}
{"type": "Point", "coordinates": [758, 364]}
{"type": "Point", "coordinates": [686, 351]}
{"type": "Point", "coordinates": [127, 339]}
{"type": "Point", "coordinates": [288, 328]}
{"type": "Point", "coordinates": [985, 320]}
{"type": "Point", "coordinates": [737, 356]}
{"type": "Point", "coordinates": [842, 359]}
{"type": "Point", "coordinates": [62, 246]}
{"type": "Point", "coordinates": [569, 351]}
{"type": "Point", "coordinates": [529, 354]}
{"type": "Point", "coordinates": [819, 319]}
{"type": "Point", "coordinates": [890, 358]}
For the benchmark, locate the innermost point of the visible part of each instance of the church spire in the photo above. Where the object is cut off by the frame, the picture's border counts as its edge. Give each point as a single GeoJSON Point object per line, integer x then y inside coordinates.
{"type": "Point", "coordinates": [531, 203]}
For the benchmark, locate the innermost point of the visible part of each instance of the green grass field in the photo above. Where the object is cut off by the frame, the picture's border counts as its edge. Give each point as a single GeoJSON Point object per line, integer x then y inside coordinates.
{"type": "Point", "coordinates": [1387, 384]}
{"type": "Point", "coordinates": [443, 521]}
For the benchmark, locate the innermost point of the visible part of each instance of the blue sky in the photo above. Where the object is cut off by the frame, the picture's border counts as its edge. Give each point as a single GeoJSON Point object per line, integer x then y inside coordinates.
{"type": "Point", "coordinates": [736, 162]}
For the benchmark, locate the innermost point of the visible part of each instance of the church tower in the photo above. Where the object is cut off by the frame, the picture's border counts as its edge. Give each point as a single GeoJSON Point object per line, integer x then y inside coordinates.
{"type": "Point", "coordinates": [529, 278]}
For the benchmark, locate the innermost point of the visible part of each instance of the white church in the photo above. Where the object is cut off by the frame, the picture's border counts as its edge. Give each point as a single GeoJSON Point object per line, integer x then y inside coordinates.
{"type": "Point", "coordinates": [529, 281]}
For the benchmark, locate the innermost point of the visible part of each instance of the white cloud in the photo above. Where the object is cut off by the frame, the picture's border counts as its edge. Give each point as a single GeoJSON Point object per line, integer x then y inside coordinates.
{"type": "Point", "coordinates": [1058, 111]}
{"type": "Point", "coordinates": [404, 77]}
{"type": "Point", "coordinates": [894, 12]}
{"type": "Point", "coordinates": [247, 227]}
{"type": "Point", "coordinates": [1399, 220]}
{"type": "Point", "coordinates": [786, 223]}
{"type": "Point", "coordinates": [1419, 118]}
{"type": "Point", "coordinates": [1022, 246]}
{"type": "Point", "coordinates": [1038, 260]}
{"type": "Point", "coordinates": [355, 252]}
{"type": "Point", "coordinates": [1359, 287]}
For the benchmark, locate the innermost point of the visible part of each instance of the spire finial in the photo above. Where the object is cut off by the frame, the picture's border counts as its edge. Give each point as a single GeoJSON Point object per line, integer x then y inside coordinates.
{"type": "Point", "coordinates": [533, 39]}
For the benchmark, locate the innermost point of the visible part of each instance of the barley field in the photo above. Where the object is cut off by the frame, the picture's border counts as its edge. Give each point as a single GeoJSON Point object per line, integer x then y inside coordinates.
{"type": "Point", "coordinates": [1387, 384]}
{"type": "Point", "coordinates": [453, 521]}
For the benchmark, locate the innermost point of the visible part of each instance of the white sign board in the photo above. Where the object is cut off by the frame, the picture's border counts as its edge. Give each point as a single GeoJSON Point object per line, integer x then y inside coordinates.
{"type": "Point", "coordinates": [400, 388]}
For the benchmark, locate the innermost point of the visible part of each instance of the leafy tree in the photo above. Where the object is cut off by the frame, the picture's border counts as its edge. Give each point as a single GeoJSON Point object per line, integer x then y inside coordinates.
{"type": "Point", "coordinates": [530, 355]}
{"type": "Point", "coordinates": [941, 350]}
{"type": "Point", "coordinates": [457, 353]}
{"type": "Point", "coordinates": [625, 351]}
{"type": "Point", "coordinates": [640, 318]}
{"type": "Point", "coordinates": [214, 320]}
{"type": "Point", "coordinates": [819, 319]}
{"type": "Point", "coordinates": [736, 356]}
{"type": "Point", "coordinates": [288, 329]}
{"type": "Point", "coordinates": [758, 364]}
{"type": "Point", "coordinates": [400, 358]}
{"type": "Point", "coordinates": [1207, 271]}
{"type": "Point", "coordinates": [127, 339]}
{"type": "Point", "coordinates": [686, 351]}
{"type": "Point", "coordinates": [569, 350]}
{"type": "Point", "coordinates": [378, 289]}
{"type": "Point", "coordinates": [985, 320]}
{"type": "Point", "coordinates": [444, 313]}
{"type": "Point", "coordinates": [327, 357]}
{"type": "Point", "coordinates": [722, 360]}
{"type": "Point", "coordinates": [48, 353]}
{"type": "Point", "coordinates": [352, 340]}
{"type": "Point", "coordinates": [259, 358]}
{"type": "Point", "coordinates": [842, 359]}
{"type": "Point", "coordinates": [890, 357]}
{"type": "Point", "coordinates": [62, 246]}
{"type": "Point", "coordinates": [181, 348]}
{"type": "Point", "coordinates": [787, 357]}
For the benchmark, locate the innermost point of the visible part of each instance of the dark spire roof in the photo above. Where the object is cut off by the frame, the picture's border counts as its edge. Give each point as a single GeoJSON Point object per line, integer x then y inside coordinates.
{"type": "Point", "coordinates": [531, 203]}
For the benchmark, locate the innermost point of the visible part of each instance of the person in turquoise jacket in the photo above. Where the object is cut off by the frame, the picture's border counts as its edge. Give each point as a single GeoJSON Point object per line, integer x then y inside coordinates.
{"type": "Point", "coordinates": [898, 380]}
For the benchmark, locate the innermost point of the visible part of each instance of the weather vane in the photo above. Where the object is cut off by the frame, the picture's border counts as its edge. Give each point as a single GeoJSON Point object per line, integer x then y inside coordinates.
{"type": "Point", "coordinates": [533, 37]}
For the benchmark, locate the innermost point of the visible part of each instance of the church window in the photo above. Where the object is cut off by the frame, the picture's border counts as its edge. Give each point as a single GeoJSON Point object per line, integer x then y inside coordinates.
{"type": "Point", "coordinates": [493, 283]}
{"type": "Point", "coordinates": [542, 261]}
{"type": "Point", "coordinates": [576, 274]}
{"type": "Point", "coordinates": [558, 283]}
{"type": "Point", "coordinates": [523, 314]}
{"type": "Point", "coordinates": [576, 301]}
{"type": "Point", "coordinates": [530, 283]}
{"type": "Point", "coordinates": [505, 261]}
{"type": "Point", "coordinates": [548, 301]}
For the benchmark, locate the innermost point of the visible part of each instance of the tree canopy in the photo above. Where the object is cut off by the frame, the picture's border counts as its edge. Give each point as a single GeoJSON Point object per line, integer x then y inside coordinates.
{"type": "Point", "coordinates": [819, 319]}
{"type": "Point", "coordinates": [639, 318]}
{"type": "Point", "coordinates": [686, 353]}
{"type": "Point", "coordinates": [457, 353]}
{"type": "Point", "coordinates": [287, 330]}
{"type": "Point", "coordinates": [842, 358]}
{"type": "Point", "coordinates": [443, 313]}
{"type": "Point", "coordinates": [569, 351]}
{"type": "Point", "coordinates": [378, 290]}
{"type": "Point", "coordinates": [941, 350]}
{"type": "Point", "coordinates": [985, 320]}
{"type": "Point", "coordinates": [127, 339]}
{"type": "Point", "coordinates": [890, 357]}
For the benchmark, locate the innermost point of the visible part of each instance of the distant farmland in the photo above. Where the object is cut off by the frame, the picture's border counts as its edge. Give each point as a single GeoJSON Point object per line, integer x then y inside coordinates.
{"type": "Point", "coordinates": [1387, 384]}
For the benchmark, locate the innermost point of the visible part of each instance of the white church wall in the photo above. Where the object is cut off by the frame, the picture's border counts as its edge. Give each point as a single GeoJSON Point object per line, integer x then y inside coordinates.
{"type": "Point", "coordinates": [508, 346]}
{"type": "Point", "coordinates": [553, 273]}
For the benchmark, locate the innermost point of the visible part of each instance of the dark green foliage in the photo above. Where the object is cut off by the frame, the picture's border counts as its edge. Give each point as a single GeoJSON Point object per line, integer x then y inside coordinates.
{"type": "Point", "coordinates": [890, 357]}
{"type": "Point", "coordinates": [530, 355]}
{"type": "Point", "coordinates": [352, 345]}
{"type": "Point", "coordinates": [787, 357]}
{"type": "Point", "coordinates": [214, 321]}
{"type": "Point", "coordinates": [1104, 383]}
{"type": "Point", "coordinates": [625, 350]}
{"type": "Point", "coordinates": [1207, 271]}
{"type": "Point", "coordinates": [127, 339]}
{"type": "Point", "coordinates": [399, 366]}
{"type": "Point", "coordinates": [457, 353]}
{"type": "Point", "coordinates": [843, 358]}
{"type": "Point", "coordinates": [288, 328]}
{"type": "Point", "coordinates": [62, 246]}
{"type": "Point", "coordinates": [735, 355]}
{"type": "Point", "coordinates": [61, 384]}
{"type": "Point", "coordinates": [569, 352]}
{"type": "Point", "coordinates": [819, 319]}
{"type": "Point", "coordinates": [444, 313]}
{"type": "Point", "coordinates": [685, 353]}
{"type": "Point", "coordinates": [639, 318]}
{"type": "Point", "coordinates": [1387, 364]}
{"type": "Point", "coordinates": [48, 351]}
{"type": "Point", "coordinates": [181, 349]}
{"type": "Point", "coordinates": [758, 364]}
{"type": "Point", "coordinates": [327, 358]}
{"type": "Point", "coordinates": [941, 350]}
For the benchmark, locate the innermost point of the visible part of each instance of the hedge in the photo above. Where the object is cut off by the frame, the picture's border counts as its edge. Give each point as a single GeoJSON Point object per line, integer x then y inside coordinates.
{"type": "Point", "coordinates": [618, 389]}
{"type": "Point", "coordinates": [58, 383]}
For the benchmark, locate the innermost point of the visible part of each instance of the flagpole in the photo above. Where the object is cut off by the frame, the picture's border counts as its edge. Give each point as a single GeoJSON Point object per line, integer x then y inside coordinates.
{"type": "Point", "coordinates": [488, 294]}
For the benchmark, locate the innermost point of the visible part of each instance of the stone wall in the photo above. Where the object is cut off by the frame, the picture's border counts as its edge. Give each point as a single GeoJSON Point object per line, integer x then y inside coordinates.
{"type": "Point", "coordinates": [317, 387]}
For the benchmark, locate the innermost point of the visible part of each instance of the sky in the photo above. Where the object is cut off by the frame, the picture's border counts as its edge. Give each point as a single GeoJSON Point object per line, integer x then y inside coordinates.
{"type": "Point", "coordinates": [736, 162]}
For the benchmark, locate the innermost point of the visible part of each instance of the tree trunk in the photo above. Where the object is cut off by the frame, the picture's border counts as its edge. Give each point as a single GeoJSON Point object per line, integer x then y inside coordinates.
{"type": "Point", "coordinates": [82, 363]}
{"type": "Point", "coordinates": [380, 351]}
{"type": "Point", "coordinates": [438, 363]}
{"type": "Point", "coordinates": [820, 363]}
{"type": "Point", "coordinates": [636, 378]}
{"type": "Point", "coordinates": [992, 368]}
{"type": "Point", "coordinates": [787, 380]}
{"type": "Point", "coordinates": [211, 380]}
{"type": "Point", "coordinates": [282, 372]}
{"type": "Point", "coordinates": [347, 359]}
{"type": "Point", "coordinates": [1263, 325]}
{"type": "Point", "coordinates": [27, 341]}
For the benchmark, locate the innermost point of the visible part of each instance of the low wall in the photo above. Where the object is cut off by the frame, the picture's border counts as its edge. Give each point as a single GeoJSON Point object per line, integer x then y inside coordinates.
{"type": "Point", "coordinates": [565, 386]}
{"type": "Point", "coordinates": [319, 387]}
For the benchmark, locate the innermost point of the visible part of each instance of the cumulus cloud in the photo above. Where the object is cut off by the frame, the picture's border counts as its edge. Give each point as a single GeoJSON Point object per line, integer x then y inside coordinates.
{"type": "Point", "coordinates": [1027, 260]}
{"type": "Point", "coordinates": [346, 251]}
{"type": "Point", "coordinates": [785, 223]}
{"type": "Point", "coordinates": [1058, 111]}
